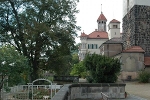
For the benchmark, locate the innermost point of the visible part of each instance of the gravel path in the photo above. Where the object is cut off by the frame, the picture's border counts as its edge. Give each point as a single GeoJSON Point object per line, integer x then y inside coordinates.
{"type": "Point", "coordinates": [138, 89]}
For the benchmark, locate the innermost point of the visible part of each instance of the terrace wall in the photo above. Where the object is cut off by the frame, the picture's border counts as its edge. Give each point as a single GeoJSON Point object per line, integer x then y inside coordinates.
{"type": "Point", "coordinates": [93, 91]}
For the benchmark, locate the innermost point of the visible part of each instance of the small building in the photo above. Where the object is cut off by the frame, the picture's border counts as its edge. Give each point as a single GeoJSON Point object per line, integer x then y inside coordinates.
{"type": "Point", "coordinates": [111, 47]}
{"type": "Point", "coordinates": [132, 60]}
{"type": "Point", "coordinates": [147, 63]}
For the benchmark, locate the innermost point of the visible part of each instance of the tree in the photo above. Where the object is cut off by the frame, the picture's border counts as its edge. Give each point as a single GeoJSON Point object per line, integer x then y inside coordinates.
{"type": "Point", "coordinates": [102, 69]}
{"type": "Point", "coordinates": [79, 70]}
{"type": "Point", "coordinates": [14, 67]}
{"type": "Point", "coordinates": [41, 30]}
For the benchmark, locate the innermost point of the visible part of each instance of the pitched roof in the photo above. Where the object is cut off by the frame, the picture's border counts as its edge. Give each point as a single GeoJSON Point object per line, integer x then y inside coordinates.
{"type": "Point", "coordinates": [136, 49]}
{"type": "Point", "coordinates": [147, 60]}
{"type": "Point", "coordinates": [98, 34]}
{"type": "Point", "coordinates": [83, 35]}
{"type": "Point", "coordinates": [114, 41]}
{"type": "Point", "coordinates": [101, 17]}
{"type": "Point", "coordinates": [114, 21]}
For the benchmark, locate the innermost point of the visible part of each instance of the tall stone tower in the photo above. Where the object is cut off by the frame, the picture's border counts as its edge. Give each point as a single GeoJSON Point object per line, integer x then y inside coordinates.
{"type": "Point", "coordinates": [136, 24]}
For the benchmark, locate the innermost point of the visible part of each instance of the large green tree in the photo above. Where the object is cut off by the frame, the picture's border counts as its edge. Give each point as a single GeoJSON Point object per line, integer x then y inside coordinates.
{"type": "Point", "coordinates": [14, 67]}
{"type": "Point", "coordinates": [42, 30]}
{"type": "Point", "coordinates": [102, 69]}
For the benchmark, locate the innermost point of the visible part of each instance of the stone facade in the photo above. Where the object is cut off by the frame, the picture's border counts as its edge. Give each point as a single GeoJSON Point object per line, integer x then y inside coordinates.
{"type": "Point", "coordinates": [136, 28]}
{"type": "Point", "coordinates": [111, 47]}
{"type": "Point", "coordinates": [132, 63]}
{"type": "Point", "coordinates": [93, 91]}
{"type": "Point", "coordinates": [110, 50]}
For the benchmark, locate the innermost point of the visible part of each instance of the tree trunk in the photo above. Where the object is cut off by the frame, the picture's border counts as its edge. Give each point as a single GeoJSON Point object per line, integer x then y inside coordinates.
{"type": "Point", "coordinates": [1, 94]}
{"type": "Point", "coordinates": [34, 75]}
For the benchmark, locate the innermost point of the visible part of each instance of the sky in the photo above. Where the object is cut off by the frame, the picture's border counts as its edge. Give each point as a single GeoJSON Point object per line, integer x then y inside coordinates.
{"type": "Point", "coordinates": [89, 11]}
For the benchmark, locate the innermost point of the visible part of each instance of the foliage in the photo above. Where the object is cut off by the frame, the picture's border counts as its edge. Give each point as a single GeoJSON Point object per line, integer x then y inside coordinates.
{"type": "Point", "coordinates": [41, 30]}
{"type": "Point", "coordinates": [79, 70]}
{"type": "Point", "coordinates": [102, 69]}
{"type": "Point", "coordinates": [144, 76]}
{"type": "Point", "coordinates": [14, 67]}
{"type": "Point", "coordinates": [75, 58]}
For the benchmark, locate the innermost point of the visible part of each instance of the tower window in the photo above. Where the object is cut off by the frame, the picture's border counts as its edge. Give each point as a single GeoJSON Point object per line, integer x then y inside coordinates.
{"type": "Point", "coordinates": [115, 26]}
{"type": "Point", "coordinates": [102, 21]}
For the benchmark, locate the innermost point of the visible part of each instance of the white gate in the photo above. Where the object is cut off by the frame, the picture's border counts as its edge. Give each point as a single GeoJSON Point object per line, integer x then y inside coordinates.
{"type": "Point", "coordinates": [21, 92]}
{"type": "Point", "coordinates": [50, 87]}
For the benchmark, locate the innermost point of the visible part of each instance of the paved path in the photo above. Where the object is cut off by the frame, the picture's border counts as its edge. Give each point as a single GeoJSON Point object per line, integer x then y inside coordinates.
{"type": "Point", "coordinates": [135, 90]}
{"type": "Point", "coordinates": [138, 89]}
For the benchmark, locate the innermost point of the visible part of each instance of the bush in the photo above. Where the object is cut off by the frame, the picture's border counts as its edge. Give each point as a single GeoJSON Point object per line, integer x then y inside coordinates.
{"type": "Point", "coordinates": [144, 76]}
{"type": "Point", "coordinates": [102, 69]}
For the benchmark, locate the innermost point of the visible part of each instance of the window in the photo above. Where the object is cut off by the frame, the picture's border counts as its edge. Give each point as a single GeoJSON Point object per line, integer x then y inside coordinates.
{"type": "Point", "coordinates": [115, 26]}
{"type": "Point", "coordinates": [92, 46]}
{"type": "Point", "coordinates": [84, 46]}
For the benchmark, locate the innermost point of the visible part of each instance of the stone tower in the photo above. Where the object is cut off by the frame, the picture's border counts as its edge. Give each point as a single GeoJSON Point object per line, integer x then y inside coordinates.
{"type": "Point", "coordinates": [136, 24]}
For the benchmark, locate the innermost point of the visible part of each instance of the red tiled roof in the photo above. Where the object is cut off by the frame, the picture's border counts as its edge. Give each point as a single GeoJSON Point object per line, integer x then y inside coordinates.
{"type": "Point", "coordinates": [147, 60]}
{"type": "Point", "coordinates": [101, 17]}
{"type": "Point", "coordinates": [114, 21]}
{"type": "Point", "coordinates": [134, 49]}
{"type": "Point", "coordinates": [98, 34]}
{"type": "Point", "coordinates": [83, 35]}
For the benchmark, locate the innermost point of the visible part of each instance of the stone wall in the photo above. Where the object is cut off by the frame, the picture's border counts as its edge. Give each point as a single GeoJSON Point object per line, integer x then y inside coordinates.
{"type": "Point", "coordinates": [132, 63]}
{"type": "Point", "coordinates": [136, 28]}
{"type": "Point", "coordinates": [111, 50]}
{"type": "Point", "coordinates": [87, 90]}
{"type": "Point", "coordinates": [93, 91]}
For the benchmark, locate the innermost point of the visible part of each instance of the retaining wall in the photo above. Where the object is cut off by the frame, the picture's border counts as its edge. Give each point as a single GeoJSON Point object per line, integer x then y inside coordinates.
{"type": "Point", "coordinates": [93, 91]}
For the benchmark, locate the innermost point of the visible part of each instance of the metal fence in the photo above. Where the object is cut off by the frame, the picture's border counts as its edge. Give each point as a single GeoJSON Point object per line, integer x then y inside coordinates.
{"type": "Point", "coordinates": [21, 92]}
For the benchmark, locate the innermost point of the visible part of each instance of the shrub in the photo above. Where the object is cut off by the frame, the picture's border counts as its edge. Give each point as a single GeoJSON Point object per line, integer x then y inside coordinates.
{"type": "Point", "coordinates": [102, 69]}
{"type": "Point", "coordinates": [144, 76]}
